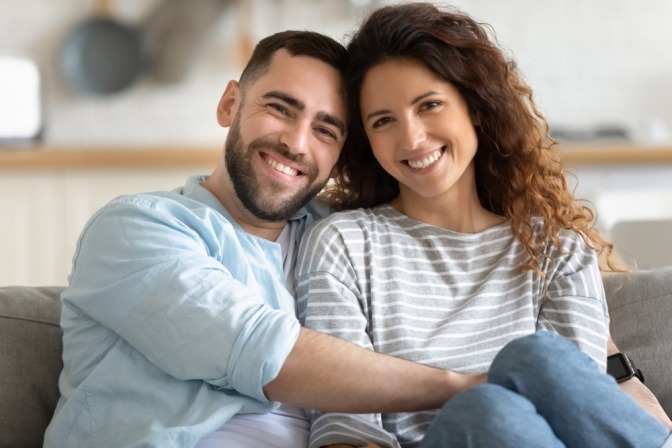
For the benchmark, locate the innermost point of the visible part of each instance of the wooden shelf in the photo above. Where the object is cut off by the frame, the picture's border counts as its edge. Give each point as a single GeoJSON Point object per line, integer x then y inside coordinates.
{"type": "Point", "coordinates": [108, 157]}
{"type": "Point", "coordinates": [615, 154]}
{"type": "Point", "coordinates": [146, 157]}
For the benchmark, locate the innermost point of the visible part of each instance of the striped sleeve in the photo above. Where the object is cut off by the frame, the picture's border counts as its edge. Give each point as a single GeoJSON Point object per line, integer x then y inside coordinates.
{"type": "Point", "coordinates": [328, 300]}
{"type": "Point", "coordinates": [574, 304]}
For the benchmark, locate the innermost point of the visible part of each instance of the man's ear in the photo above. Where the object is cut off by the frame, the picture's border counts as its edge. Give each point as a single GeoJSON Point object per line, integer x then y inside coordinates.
{"type": "Point", "coordinates": [228, 104]}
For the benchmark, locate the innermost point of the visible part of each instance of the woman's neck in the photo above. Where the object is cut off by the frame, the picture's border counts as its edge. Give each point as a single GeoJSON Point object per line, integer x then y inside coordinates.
{"type": "Point", "coordinates": [456, 211]}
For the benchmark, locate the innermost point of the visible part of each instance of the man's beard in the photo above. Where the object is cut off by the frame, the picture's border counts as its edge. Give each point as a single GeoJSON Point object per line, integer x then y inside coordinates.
{"type": "Point", "coordinates": [239, 166]}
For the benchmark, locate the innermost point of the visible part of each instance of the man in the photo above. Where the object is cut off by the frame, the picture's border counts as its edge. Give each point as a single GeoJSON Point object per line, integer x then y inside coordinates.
{"type": "Point", "coordinates": [178, 321]}
{"type": "Point", "coordinates": [179, 324]}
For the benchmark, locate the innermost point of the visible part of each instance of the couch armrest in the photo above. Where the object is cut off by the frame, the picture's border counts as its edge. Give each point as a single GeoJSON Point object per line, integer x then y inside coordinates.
{"type": "Point", "coordinates": [640, 306]}
{"type": "Point", "coordinates": [30, 362]}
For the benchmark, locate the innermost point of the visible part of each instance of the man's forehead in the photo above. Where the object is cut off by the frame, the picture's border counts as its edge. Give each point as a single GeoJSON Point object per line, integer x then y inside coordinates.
{"type": "Point", "coordinates": [306, 79]}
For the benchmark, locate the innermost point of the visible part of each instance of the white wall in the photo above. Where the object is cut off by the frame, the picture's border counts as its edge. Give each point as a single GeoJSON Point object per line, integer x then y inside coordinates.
{"type": "Point", "coordinates": [590, 62]}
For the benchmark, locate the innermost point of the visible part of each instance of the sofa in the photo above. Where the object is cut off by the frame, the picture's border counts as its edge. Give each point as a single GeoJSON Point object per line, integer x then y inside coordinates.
{"type": "Point", "coordinates": [640, 306]}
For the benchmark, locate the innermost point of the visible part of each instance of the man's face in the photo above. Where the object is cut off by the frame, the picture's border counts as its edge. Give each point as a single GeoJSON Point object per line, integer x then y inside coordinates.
{"type": "Point", "coordinates": [286, 136]}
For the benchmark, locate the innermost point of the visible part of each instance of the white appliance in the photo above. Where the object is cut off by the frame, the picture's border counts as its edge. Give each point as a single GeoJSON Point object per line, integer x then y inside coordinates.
{"type": "Point", "coordinates": [20, 100]}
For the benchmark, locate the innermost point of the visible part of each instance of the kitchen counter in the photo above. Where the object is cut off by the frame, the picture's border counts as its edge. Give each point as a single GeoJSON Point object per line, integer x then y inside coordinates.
{"type": "Point", "coordinates": [147, 157]}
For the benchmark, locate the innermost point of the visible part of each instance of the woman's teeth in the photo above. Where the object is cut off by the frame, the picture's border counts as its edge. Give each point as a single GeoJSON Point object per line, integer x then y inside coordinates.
{"type": "Point", "coordinates": [280, 167]}
{"type": "Point", "coordinates": [427, 161]}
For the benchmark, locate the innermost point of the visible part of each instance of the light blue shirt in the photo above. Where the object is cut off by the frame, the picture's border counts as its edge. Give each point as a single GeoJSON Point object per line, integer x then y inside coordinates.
{"type": "Point", "coordinates": [173, 321]}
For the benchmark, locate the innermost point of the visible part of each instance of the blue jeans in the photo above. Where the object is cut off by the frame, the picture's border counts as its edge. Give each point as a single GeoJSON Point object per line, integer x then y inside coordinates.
{"type": "Point", "coordinates": [543, 392]}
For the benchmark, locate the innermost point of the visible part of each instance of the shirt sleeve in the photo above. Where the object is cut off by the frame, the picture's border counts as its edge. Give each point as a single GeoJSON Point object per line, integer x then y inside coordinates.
{"type": "Point", "coordinates": [329, 301]}
{"type": "Point", "coordinates": [145, 271]}
{"type": "Point", "coordinates": [574, 303]}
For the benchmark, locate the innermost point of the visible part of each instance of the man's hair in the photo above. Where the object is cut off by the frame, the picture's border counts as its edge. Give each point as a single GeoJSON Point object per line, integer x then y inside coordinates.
{"type": "Point", "coordinates": [297, 43]}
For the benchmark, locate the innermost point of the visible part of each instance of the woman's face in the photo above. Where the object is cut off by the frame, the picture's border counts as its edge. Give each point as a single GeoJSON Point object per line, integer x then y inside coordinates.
{"type": "Point", "coordinates": [420, 129]}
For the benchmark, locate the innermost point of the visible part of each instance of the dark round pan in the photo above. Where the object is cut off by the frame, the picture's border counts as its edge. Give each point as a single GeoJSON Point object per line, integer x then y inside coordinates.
{"type": "Point", "coordinates": [102, 56]}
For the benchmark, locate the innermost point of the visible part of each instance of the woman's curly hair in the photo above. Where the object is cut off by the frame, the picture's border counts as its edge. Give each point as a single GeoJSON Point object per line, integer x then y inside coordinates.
{"type": "Point", "coordinates": [519, 172]}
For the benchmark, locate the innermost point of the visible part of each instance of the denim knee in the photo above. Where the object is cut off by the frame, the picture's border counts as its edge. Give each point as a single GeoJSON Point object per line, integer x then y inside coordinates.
{"type": "Point", "coordinates": [482, 408]}
{"type": "Point", "coordinates": [489, 415]}
{"type": "Point", "coordinates": [540, 355]}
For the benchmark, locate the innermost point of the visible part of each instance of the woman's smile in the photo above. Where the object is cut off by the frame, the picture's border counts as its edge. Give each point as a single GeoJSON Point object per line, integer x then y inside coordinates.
{"type": "Point", "coordinates": [427, 161]}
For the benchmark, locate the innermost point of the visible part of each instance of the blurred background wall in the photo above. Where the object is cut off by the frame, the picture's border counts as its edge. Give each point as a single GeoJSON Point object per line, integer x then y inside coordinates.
{"type": "Point", "coordinates": [592, 63]}
{"type": "Point", "coordinates": [601, 71]}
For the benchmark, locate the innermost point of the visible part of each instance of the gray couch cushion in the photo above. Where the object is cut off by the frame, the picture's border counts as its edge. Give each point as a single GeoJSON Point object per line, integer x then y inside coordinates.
{"type": "Point", "coordinates": [31, 344]}
{"type": "Point", "coordinates": [640, 305]}
{"type": "Point", "coordinates": [30, 362]}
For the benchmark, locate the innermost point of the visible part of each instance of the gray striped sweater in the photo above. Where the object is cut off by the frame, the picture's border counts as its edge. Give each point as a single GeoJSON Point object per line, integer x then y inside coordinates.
{"type": "Point", "coordinates": [401, 287]}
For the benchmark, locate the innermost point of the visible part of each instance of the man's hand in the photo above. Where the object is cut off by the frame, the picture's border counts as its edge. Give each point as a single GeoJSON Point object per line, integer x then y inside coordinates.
{"type": "Point", "coordinates": [640, 392]}
{"type": "Point", "coordinates": [646, 399]}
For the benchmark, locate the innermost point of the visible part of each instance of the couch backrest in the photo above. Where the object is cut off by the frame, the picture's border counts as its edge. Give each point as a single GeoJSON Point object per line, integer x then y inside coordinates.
{"type": "Point", "coordinates": [640, 306]}
{"type": "Point", "coordinates": [30, 362]}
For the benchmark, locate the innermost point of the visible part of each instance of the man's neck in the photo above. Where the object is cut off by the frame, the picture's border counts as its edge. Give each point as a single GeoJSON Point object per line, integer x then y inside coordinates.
{"type": "Point", "coordinates": [269, 230]}
{"type": "Point", "coordinates": [262, 229]}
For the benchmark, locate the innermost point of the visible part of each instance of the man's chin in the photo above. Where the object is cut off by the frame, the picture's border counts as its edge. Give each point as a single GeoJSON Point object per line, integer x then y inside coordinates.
{"type": "Point", "coordinates": [281, 208]}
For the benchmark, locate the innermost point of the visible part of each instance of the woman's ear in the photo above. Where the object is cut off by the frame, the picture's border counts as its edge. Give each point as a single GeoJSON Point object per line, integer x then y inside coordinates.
{"type": "Point", "coordinates": [475, 119]}
{"type": "Point", "coordinates": [334, 172]}
{"type": "Point", "coordinates": [228, 104]}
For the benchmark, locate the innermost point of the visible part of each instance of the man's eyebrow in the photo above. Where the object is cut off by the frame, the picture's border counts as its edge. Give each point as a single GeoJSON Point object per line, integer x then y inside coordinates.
{"type": "Point", "coordinates": [294, 102]}
{"type": "Point", "coordinates": [300, 105]}
{"type": "Point", "coordinates": [332, 120]}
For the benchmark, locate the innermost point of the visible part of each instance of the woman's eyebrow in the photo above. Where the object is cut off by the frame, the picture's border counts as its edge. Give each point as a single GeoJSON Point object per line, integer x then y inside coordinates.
{"type": "Point", "coordinates": [376, 113]}
{"type": "Point", "coordinates": [413, 101]}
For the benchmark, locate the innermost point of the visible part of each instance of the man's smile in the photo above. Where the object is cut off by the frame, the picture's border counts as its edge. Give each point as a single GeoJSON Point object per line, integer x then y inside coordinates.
{"type": "Point", "coordinates": [278, 166]}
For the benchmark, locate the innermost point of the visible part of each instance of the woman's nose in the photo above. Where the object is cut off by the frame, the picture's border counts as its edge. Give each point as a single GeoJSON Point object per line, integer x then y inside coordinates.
{"type": "Point", "coordinates": [413, 135]}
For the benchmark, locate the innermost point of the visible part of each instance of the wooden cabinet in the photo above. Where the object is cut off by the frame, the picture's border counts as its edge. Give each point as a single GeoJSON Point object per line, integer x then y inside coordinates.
{"type": "Point", "coordinates": [45, 202]}
{"type": "Point", "coordinates": [32, 229]}
{"type": "Point", "coordinates": [47, 195]}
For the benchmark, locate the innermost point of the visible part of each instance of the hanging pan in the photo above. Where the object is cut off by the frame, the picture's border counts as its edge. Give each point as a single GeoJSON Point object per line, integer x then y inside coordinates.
{"type": "Point", "coordinates": [102, 55]}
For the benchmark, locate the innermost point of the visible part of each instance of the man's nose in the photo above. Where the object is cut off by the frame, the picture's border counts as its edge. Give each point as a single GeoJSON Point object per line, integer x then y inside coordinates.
{"type": "Point", "coordinates": [296, 137]}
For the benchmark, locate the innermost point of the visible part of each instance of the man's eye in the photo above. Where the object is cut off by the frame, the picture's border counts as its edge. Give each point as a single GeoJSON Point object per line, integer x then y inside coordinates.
{"type": "Point", "coordinates": [279, 107]}
{"type": "Point", "coordinates": [381, 122]}
{"type": "Point", "coordinates": [327, 132]}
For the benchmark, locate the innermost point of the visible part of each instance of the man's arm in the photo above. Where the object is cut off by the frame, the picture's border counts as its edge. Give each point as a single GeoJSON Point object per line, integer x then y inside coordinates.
{"type": "Point", "coordinates": [327, 373]}
{"type": "Point", "coordinates": [640, 392]}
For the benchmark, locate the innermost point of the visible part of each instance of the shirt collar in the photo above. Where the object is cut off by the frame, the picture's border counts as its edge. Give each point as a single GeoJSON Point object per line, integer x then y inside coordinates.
{"type": "Point", "coordinates": [194, 190]}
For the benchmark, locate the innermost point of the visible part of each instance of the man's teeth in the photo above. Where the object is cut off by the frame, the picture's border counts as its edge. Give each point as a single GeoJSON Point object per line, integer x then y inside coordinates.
{"type": "Point", "coordinates": [280, 167]}
{"type": "Point", "coordinates": [427, 161]}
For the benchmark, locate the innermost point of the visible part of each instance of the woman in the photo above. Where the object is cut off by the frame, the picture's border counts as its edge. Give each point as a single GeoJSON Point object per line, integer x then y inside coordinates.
{"type": "Point", "coordinates": [463, 238]}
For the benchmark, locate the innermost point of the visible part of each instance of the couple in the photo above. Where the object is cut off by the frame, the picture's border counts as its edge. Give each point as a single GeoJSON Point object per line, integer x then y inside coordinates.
{"type": "Point", "coordinates": [179, 320]}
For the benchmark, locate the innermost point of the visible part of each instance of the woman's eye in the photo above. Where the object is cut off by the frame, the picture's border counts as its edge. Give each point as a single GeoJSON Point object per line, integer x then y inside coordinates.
{"type": "Point", "coordinates": [430, 105]}
{"type": "Point", "coordinates": [381, 122]}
